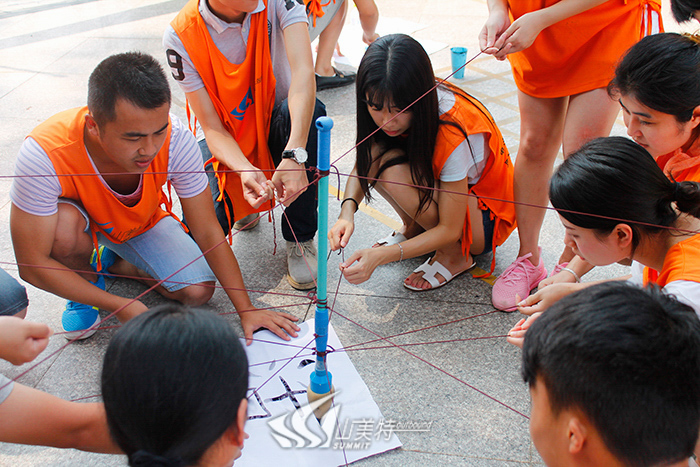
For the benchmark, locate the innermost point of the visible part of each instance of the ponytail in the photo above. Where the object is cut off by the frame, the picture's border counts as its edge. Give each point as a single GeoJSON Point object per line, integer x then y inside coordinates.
{"type": "Point", "coordinates": [687, 197]}
{"type": "Point", "coordinates": [144, 458]}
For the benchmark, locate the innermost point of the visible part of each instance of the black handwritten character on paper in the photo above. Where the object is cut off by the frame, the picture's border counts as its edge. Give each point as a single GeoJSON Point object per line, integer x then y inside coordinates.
{"type": "Point", "coordinates": [262, 406]}
{"type": "Point", "coordinates": [288, 394]}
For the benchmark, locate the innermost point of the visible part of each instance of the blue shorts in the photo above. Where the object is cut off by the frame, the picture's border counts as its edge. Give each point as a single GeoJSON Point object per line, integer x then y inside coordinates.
{"type": "Point", "coordinates": [162, 250]}
{"type": "Point", "coordinates": [13, 296]}
{"type": "Point", "coordinates": [154, 252]}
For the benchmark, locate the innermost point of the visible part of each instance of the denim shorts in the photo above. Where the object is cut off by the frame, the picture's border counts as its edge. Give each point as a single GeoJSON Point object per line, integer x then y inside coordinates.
{"type": "Point", "coordinates": [489, 225]}
{"type": "Point", "coordinates": [13, 296]}
{"type": "Point", "coordinates": [154, 252]}
{"type": "Point", "coordinates": [161, 251]}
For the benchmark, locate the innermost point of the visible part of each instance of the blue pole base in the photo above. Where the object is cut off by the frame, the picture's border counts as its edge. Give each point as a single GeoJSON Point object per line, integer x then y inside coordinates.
{"type": "Point", "coordinates": [321, 382]}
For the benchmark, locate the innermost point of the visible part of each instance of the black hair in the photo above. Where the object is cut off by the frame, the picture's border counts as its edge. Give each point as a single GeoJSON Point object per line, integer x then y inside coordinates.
{"type": "Point", "coordinates": [683, 10]}
{"type": "Point", "coordinates": [134, 76]}
{"type": "Point", "coordinates": [397, 70]}
{"type": "Point", "coordinates": [617, 179]}
{"type": "Point", "coordinates": [662, 71]}
{"type": "Point", "coordinates": [172, 382]}
{"type": "Point", "coordinates": [629, 359]}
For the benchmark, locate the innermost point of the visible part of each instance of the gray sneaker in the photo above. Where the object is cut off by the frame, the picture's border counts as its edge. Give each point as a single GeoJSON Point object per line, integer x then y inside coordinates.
{"type": "Point", "coordinates": [301, 265]}
{"type": "Point", "coordinates": [249, 222]}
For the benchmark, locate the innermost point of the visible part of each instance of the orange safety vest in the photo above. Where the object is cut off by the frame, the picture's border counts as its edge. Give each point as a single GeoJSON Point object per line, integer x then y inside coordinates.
{"type": "Point", "coordinates": [682, 263]}
{"type": "Point", "coordinates": [578, 54]}
{"type": "Point", "coordinates": [682, 166]}
{"type": "Point", "coordinates": [494, 190]}
{"type": "Point", "coordinates": [243, 95]}
{"type": "Point", "coordinates": [62, 138]}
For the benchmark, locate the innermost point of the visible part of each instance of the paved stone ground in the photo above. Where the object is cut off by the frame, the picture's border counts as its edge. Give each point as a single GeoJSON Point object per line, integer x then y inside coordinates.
{"type": "Point", "coordinates": [47, 50]}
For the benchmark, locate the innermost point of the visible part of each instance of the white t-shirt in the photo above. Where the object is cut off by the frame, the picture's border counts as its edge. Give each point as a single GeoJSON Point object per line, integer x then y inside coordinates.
{"type": "Point", "coordinates": [38, 195]}
{"type": "Point", "coordinates": [687, 292]}
{"type": "Point", "coordinates": [5, 392]}
{"type": "Point", "coordinates": [231, 40]}
{"type": "Point", "coordinates": [469, 158]}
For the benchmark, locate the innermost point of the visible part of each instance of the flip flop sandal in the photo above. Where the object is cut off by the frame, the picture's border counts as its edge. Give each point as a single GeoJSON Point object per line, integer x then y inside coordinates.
{"type": "Point", "coordinates": [392, 239]}
{"type": "Point", "coordinates": [429, 274]}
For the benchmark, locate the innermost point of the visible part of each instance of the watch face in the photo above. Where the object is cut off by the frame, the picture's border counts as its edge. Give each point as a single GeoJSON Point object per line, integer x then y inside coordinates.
{"type": "Point", "coordinates": [300, 155]}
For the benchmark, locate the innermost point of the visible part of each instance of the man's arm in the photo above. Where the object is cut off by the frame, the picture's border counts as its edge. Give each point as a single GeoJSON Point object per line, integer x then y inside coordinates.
{"type": "Point", "coordinates": [256, 188]}
{"type": "Point", "coordinates": [291, 181]}
{"type": "Point", "coordinates": [33, 238]}
{"type": "Point", "coordinates": [207, 233]}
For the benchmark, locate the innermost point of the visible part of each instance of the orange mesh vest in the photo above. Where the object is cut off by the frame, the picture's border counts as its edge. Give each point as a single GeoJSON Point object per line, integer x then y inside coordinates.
{"type": "Point", "coordinates": [494, 189]}
{"type": "Point", "coordinates": [578, 54]}
{"type": "Point", "coordinates": [682, 166]}
{"type": "Point", "coordinates": [243, 95]}
{"type": "Point", "coordinates": [682, 263]}
{"type": "Point", "coordinates": [62, 138]}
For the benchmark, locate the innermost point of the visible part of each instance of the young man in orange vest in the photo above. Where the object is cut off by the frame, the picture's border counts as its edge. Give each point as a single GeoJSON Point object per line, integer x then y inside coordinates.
{"type": "Point", "coordinates": [124, 146]}
{"type": "Point", "coordinates": [247, 72]}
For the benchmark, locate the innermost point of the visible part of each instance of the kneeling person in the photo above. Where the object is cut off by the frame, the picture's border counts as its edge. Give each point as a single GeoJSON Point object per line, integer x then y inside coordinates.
{"type": "Point", "coordinates": [94, 175]}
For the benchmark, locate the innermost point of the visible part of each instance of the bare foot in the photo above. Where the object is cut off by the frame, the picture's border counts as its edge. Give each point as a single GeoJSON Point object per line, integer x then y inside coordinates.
{"type": "Point", "coordinates": [455, 263]}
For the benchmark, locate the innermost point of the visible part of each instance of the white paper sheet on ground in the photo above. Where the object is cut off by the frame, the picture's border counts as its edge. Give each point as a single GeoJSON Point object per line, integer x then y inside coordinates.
{"type": "Point", "coordinates": [352, 47]}
{"type": "Point", "coordinates": [280, 383]}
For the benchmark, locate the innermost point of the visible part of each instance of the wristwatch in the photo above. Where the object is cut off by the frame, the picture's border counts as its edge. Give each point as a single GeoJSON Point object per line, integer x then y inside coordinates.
{"type": "Point", "coordinates": [299, 155]}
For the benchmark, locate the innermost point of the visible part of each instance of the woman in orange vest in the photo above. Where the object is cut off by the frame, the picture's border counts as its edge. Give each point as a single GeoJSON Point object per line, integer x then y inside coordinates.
{"type": "Point", "coordinates": [563, 54]}
{"type": "Point", "coordinates": [658, 86]}
{"type": "Point", "coordinates": [617, 204]}
{"type": "Point", "coordinates": [441, 164]}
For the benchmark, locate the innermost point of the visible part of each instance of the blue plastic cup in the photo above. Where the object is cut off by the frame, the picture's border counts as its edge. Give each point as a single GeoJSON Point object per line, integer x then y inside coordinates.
{"type": "Point", "coordinates": [459, 58]}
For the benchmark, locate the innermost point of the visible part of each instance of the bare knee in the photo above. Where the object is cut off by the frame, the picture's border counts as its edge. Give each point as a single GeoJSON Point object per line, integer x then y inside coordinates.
{"type": "Point", "coordinates": [195, 295]}
{"type": "Point", "coordinates": [538, 147]}
{"type": "Point", "coordinates": [70, 239]}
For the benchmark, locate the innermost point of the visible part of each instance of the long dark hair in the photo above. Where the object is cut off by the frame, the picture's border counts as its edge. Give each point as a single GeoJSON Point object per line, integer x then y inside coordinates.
{"type": "Point", "coordinates": [683, 10]}
{"type": "Point", "coordinates": [617, 178]}
{"type": "Point", "coordinates": [396, 69]}
{"type": "Point", "coordinates": [172, 382]}
{"type": "Point", "coordinates": [662, 71]}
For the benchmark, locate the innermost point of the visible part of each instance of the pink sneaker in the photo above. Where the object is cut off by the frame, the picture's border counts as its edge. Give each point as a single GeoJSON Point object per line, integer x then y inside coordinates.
{"type": "Point", "coordinates": [558, 268]}
{"type": "Point", "coordinates": [518, 279]}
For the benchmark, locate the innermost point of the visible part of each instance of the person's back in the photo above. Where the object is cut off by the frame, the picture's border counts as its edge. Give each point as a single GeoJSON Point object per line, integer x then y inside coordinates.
{"type": "Point", "coordinates": [614, 374]}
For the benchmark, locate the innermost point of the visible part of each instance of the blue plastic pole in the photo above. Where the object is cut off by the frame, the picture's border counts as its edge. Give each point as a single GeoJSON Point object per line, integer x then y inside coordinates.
{"type": "Point", "coordinates": [321, 378]}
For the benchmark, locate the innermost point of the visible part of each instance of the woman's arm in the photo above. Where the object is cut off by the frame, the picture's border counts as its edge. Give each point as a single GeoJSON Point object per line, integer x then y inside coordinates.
{"type": "Point", "coordinates": [523, 31]}
{"type": "Point", "coordinates": [452, 211]}
{"type": "Point", "coordinates": [342, 230]}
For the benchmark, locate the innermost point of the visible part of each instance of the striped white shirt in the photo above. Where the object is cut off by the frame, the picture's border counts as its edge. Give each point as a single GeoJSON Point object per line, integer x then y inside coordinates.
{"type": "Point", "coordinates": [36, 187]}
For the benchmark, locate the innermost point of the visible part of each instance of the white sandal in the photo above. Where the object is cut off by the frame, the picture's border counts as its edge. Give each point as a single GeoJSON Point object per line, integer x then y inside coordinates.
{"type": "Point", "coordinates": [392, 239]}
{"type": "Point", "coordinates": [429, 274]}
